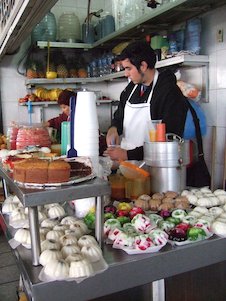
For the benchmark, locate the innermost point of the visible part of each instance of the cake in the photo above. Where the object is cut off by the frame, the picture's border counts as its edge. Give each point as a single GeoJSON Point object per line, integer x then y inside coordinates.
{"type": "Point", "coordinates": [80, 268]}
{"type": "Point", "coordinates": [56, 211]}
{"type": "Point", "coordinates": [57, 268]}
{"type": "Point", "coordinates": [23, 236]}
{"type": "Point", "coordinates": [54, 234]}
{"type": "Point", "coordinates": [41, 171]}
{"type": "Point", "coordinates": [79, 169]}
{"type": "Point", "coordinates": [92, 253]}
{"type": "Point", "coordinates": [31, 171]}
{"type": "Point", "coordinates": [49, 223]}
{"type": "Point", "coordinates": [58, 171]}
{"type": "Point", "coordinates": [70, 250]}
{"type": "Point", "coordinates": [86, 240]}
{"type": "Point", "coordinates": [68, 239]}
{"type": "Point", "coordinates": [48, 255]}
{"type": "Point", "coordinates": [50, 244]}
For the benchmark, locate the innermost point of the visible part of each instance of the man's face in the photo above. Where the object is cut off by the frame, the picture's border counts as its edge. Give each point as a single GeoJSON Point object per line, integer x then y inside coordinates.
{"type": "Point", "coordinates": [131, 71]}
{"type": "Point", "coordinates": [65, 109]}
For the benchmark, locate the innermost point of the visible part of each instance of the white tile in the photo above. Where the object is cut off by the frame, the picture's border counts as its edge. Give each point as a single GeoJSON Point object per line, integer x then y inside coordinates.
{"type": "Point", "coordinates": [220, 144]}
{"type": "Point", "coordinates": [212, 70]}
{"type": "Point", "coordinates": [210, 108]}
{"type": "Point", "coordinates": [221, 69]}
{"type": "Point", "coordinates": [218, 176]}
{"type": "Point", "coordinates": [221, 108]}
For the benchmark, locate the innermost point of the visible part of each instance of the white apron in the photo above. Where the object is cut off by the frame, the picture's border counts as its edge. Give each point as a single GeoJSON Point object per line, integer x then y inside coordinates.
{"type": "Point", "coordinates": [135, 123]}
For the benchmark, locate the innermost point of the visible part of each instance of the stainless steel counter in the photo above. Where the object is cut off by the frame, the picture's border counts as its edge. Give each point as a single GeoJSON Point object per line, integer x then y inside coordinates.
{"type": "Point", "coordinates": [32, 198]}
{"type": "Point", "coordinates": [125, 271]}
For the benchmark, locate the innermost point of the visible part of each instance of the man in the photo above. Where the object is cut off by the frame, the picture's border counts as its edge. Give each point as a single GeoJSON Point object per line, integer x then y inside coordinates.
{"type": "Point", "coordinates": [150, 95]}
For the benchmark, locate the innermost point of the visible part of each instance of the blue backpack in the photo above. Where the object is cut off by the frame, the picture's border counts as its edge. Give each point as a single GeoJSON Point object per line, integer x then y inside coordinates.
{"type": "Point", "coordinates": [189, 128]}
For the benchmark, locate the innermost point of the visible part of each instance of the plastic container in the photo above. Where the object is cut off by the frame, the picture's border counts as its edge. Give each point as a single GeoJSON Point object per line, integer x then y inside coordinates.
{"type": "Point", "coordinates": [117, 183]}
{"type": "Point", "coordinates": [46, 30]}
{"type": "Point", "coordinates": [65, 137]}
{"type": "Point", "coordinates": [12, 132]}
{"type": "Point", "coordinates": [193, 35]}
{"type": "Point", "coordinates": [35, 135]}
{"type": "Point", "coordinates": [69, 29]}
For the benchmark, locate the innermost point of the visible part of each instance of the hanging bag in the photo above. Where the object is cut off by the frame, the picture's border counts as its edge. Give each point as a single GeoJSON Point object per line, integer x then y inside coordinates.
{"type": "Point", "coordinates": [197, 173]}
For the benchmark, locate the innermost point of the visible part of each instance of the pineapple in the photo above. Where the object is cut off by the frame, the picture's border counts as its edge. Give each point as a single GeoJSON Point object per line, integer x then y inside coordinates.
{"type": "Point", "coordinates": [32, 70]}
{"type": "Point", "coordinates": [73, 72]}
{"type": "Point", "coordinates": [62, 71]}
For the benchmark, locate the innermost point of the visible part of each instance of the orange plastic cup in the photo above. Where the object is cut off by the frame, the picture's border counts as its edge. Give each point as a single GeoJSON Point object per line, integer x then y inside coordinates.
{"type": "Point", "coordinates": [161, 132]}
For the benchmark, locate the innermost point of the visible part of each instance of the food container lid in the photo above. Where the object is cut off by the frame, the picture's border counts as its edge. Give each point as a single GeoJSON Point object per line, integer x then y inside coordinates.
{"type": "Point", "coordinates": [132, 171]}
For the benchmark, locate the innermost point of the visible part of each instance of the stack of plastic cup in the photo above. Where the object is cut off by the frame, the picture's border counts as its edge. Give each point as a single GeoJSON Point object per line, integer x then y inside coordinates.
{"type": "Point", "coordinates": [65, 137]}
{"type": "Point", "coordinates": [86, 127]}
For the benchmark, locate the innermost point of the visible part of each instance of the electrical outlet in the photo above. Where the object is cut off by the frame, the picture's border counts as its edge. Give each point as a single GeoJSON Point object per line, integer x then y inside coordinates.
{"type": "Point", "coordinates": [220, 35]}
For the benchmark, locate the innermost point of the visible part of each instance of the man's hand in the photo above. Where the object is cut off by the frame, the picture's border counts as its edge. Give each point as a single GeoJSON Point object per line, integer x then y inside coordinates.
{"type": "Point", "coordinates": [112, 137]}
{"type": "Point", "coordinates": [116, 153]}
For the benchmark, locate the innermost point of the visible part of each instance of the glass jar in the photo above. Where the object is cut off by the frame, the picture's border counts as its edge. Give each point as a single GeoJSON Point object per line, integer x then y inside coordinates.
{"type": "Point", "coordinates": [69, 28]}
{"type": "Point", "coordinates": [117, 183]}
{"type": "Point", "coordinates": [46, 30]}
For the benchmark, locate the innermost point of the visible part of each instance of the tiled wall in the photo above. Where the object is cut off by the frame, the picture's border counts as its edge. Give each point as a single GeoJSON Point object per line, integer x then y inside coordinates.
{"type": "Point", "coordinates": [12, 84]}
{"type": "Point", "coordinates": [216, 108]}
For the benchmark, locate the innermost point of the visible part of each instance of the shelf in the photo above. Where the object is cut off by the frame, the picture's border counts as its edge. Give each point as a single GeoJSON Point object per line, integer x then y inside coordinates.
{"type": "Point", "coordinates": [161, 18]}
{"type": "Point", "coordinates": [43, 44]}
{"type": "Point", "coordinates": [39, 103]}
{"type": "Point", "coordinates": [149, 268]}
{"type": "Point", "coordinates": [58, 81]}
{"type": "Point", "coordinates": [185, 60]}
{"type": "Point", "coordinates": [37, 197]}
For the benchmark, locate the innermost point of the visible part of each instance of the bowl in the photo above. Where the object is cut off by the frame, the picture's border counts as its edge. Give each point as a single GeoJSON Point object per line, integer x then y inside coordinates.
{"type": "Point", "coordinates": [51, 74]}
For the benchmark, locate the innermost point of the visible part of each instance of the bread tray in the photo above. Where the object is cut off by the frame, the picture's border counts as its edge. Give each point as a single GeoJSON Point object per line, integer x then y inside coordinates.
{"type": "Point", "coordinates": [73, 180]}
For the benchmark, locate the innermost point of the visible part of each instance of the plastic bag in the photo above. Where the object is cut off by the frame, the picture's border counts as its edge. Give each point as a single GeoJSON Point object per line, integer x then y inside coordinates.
{"type": "Point", "coordinates": [189, 127]}
{"type": "Point", "coordinates": [189, 90]}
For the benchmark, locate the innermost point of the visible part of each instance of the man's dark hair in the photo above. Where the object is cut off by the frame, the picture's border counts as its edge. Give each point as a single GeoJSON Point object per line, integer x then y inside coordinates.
{"type": "Point", "coordinates": [137, 52]}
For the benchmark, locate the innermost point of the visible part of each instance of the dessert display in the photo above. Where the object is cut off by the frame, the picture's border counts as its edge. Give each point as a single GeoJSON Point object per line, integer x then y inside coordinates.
{"type": "Point", "coordinates": [41, 171]}
{"type": "Point", "coordinates": [31, 135]}
{"type": "Point", "coordinates": [23, 236]}
{"type": "Point", "coordinates": [204, 197]}
{"type": "Point", "coordinates": [92, 252]}
{"type": "Point", "coordinates": [162, 201]}
{"type": "Point", "coordinates": [57, 268]}
{"type": "Point", "coordinates": [54, 235]}
{"type": "Point", "coordinates": [48, 255]}
{"type": "Point", "coordinates": [70, 250]}
{"type": "Point", "coordinates": [56, 211]}
{"type": "Point", "coordinates": [80, 166]}
{"type": "Point", "coordinates": [80, 268]}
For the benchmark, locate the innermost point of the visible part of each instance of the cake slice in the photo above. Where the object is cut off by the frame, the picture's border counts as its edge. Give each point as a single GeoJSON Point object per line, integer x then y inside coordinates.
{"type": "Point", "coordinates": [58, 171]}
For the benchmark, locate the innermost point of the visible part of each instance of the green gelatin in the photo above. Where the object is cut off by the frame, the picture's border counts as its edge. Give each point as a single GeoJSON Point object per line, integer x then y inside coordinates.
{"type": "Point", "coordinates": [196, 233]}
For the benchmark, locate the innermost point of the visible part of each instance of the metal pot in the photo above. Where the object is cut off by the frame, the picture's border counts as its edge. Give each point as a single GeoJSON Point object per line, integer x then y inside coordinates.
{"type": "Point", "coordinates": [166, 163]}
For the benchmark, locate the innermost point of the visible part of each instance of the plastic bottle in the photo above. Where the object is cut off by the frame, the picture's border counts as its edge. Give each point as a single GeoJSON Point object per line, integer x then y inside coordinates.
{"type": "Point", "coordinates": [172, 44]}
{"type": "Point", "coordinates": [192, 35]}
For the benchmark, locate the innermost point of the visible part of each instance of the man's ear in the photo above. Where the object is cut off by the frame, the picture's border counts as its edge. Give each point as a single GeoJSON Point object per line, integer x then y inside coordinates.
{"type": "Point", "coordinates": [143, 66]}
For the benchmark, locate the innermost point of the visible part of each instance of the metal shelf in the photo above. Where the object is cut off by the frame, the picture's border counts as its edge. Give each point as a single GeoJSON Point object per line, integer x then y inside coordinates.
{"type": "Point", "coordinates": [63, 81]}
{"type": "Point", "coordinates": [160, 18]}
{"type": "Point", "coordinates": [185, 60]}
{"type": "Point", "coordinates": [39, 103]}
{"type": "Point", "coordinates": [32, 198]}
{"type": "Point", "coordinates": [142, 269]}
